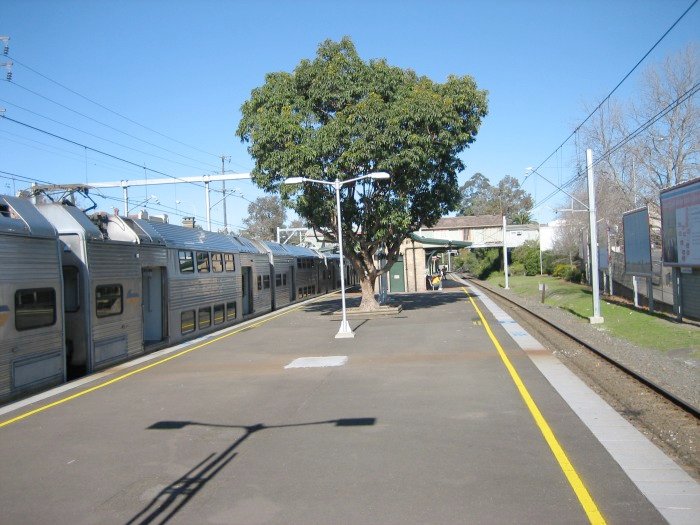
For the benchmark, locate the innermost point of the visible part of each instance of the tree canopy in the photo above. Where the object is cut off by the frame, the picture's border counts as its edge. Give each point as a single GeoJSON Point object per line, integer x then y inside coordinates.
{"type": "Point", "coordinates": [479, 197]}
{"type": "Point", "coordinates": [339, 117]}
{"type": "Point", "coordinates": [265, 215]}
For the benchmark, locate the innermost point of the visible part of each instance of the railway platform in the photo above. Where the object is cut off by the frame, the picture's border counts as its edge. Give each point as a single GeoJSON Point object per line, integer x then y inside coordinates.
{"type": "Point", "coordinates": [444, 413]}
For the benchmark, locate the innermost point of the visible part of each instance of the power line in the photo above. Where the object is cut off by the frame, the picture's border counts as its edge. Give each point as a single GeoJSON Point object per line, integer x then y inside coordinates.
{"type": "Point", "coordinates": [111, 110]}
{"type": "Point", "coordinates": [614, 89]}
{"type": "Point", "coordinates": [160, 207]}
{"type": "Point", "coordinates": [104, 124]}
{"type": "Point", "coordinates": [629, 137]}
{"type": "Point", "coordinates": [100, 138]}
{"type": "Point", "coordinates": [5, 117]}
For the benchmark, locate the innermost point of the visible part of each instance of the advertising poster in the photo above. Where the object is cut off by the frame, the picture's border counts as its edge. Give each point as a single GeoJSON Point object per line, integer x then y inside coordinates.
{"type": "Point", "coordinates": [680, 224]}
{"type": "Point", "coordinates": [637, 242]}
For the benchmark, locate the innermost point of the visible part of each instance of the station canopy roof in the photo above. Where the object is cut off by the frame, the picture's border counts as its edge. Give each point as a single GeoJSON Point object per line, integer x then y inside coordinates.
{"type": "Point", "coordinates": [440, 243]}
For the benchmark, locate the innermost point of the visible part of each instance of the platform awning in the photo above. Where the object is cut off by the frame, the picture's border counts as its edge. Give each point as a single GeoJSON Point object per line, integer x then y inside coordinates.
{"type": "Point", "coordinates": [447, 243]}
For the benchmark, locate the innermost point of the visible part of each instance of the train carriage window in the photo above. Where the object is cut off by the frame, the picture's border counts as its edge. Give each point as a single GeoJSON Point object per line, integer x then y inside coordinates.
{"type": "Point", "coordinates": [278, 279]}
{"type": "Point", "coordinates": [109, 300]}
{"type": "Point", "coordinates": [284, 279]}
{"type": "Point", "coordinates": [266, 282]}
{"type": "Point", "coordinates": [218, 313]}
{"type": "Point", "coordinates": [229, 264]}
{"type": "Point", "coordinates": [187, 323]}
{"type": "Point", "coordinates": [231, 311]}
{"type": "Point", "coordinates": [217, 262]}
{"type": "Point", "coordinates": [204, 317]}
{"type": "Point", "coordinates": [259, 282]}
{"type": "Point", "coordinates": [186, 262]}
{"type": "Point", "coordinates": [35, 308]}
{"type": "Point", "coordinates": [203, 262]}
{"type": "Point", "coordinates": [71, 288]}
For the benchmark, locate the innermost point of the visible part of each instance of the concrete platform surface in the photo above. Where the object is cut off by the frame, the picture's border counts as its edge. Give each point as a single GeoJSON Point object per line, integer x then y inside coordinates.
{"type": "Point", "coordinates": [422, 423]}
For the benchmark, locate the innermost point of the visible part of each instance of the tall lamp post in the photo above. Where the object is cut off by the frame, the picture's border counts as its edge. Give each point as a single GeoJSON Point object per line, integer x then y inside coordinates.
{"type": "Point", "coordinates": [345, 330]}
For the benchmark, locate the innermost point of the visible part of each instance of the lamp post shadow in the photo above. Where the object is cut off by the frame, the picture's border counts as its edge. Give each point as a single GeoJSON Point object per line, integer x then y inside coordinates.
{"type": "Point", "coordinates": [171, 499]}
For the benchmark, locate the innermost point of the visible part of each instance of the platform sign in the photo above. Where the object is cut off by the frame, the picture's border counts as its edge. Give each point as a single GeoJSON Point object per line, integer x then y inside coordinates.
{"type": "Point", "coordinates": [637, 242]}
{"type": "Point", "coordinates": [680, 224]}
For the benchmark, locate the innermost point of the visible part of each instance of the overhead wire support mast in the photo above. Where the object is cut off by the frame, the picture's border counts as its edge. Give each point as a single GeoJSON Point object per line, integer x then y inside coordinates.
{"type": "Point", "coordinates": [206, 179]}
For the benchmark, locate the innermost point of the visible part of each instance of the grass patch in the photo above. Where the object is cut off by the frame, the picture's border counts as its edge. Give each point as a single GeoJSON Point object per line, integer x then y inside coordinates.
{"type": "Point", "coordinates": [625, 322]}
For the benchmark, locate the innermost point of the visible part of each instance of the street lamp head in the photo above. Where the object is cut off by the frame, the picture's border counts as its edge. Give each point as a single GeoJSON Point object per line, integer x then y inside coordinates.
{"type": "Point", "coordinates": [379, 175]}
{"type": "Point", "coordinates": [293, 180]}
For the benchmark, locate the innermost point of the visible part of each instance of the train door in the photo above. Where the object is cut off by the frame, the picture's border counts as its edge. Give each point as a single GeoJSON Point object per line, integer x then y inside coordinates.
{"type": "Point", "coordinates": [293, 290]}
{"type": "Point", "coordinates": [152, 305]}
{"type": "Point", "coordinates": [247, 279]}
{"type": "Point", "coordinates": [273, 287]}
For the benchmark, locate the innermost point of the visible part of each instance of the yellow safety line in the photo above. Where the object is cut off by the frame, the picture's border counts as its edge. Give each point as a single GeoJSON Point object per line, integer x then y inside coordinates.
{"type": "Point", "coordinates": [144, 368]}
{"type": "Point", "coordinates": [584, 497]}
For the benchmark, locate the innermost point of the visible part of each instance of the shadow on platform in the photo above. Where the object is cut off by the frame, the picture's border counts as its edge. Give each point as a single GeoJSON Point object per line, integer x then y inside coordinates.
{"type": "Point", "coordinates": [170, 500]}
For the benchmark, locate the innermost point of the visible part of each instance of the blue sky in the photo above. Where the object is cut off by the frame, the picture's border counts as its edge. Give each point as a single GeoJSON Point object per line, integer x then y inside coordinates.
{"type": "Point", "coordinates": [183, 69]}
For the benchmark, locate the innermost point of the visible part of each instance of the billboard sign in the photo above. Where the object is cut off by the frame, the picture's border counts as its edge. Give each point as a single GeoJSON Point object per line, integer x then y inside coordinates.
{"type": "Point", "coordinates": [637, 242]}
{"type": "Point", "coordinates": [680, 224]}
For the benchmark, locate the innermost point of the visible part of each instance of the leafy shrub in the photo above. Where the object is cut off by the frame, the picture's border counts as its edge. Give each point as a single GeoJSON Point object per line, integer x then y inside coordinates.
{"type": "Point", "coordinates": [517, 269]}
{"type": "Point", "coordinates": [568, 272]}
{"type": "Point", "coordinates": [481, 262]}
{"type": "Point", "coordinates": [549, 259]}
{"type": "Point", "coordinates": [528, 255]}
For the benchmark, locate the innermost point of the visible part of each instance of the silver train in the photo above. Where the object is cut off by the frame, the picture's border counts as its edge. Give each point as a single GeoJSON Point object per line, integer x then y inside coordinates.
{"type": "Point", "coordinates": [79, 294]}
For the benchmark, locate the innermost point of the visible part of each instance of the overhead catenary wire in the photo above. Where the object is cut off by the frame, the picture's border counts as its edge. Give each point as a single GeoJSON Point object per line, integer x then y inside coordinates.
{"type": "Point", "coordinates": [116, 157]}
{"type": "Point", "coordinates": [102, 124]}
{"type": "Point", "coordinates": [147, 206]}
{"type": "Point", "coordinates": [130, 120]}
{"type": "Point", "coordinates": [111, 110]}
{"type": "Point", "coordinates": [573, 133]}
{"type": "Point", "coordinates": [631, 136]}
{"type": "Point", "coordinates": [99, 137]}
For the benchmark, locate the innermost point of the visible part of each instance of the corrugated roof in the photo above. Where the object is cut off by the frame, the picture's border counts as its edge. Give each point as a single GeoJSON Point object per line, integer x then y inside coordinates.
{"type": "Point", "coordinates": [179, 237]}
{"type": "Point", "coordinates": [468, 221]}
{"type": "Point", "coordinates": [29, 221]}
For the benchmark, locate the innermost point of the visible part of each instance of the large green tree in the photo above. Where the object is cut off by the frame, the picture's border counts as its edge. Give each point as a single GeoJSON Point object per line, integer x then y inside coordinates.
{"type": "Point", "coordinates": [337, 116]}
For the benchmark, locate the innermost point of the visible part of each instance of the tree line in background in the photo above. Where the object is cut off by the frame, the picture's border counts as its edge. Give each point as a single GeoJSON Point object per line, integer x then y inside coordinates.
{"type": "Point", "coordinates": [640, 147]}
{"type": "Point", "coordinates": [265, 215]}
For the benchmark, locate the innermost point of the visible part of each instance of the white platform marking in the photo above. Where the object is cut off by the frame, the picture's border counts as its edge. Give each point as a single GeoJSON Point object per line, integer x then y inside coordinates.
{"type": "Point", "coordinates": [318, 362]}
{"type": "Point", "coordinates": [668, 487]}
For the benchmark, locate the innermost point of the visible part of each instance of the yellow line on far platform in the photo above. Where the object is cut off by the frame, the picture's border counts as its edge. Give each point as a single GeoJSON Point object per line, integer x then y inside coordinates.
{"type": "Point", "coordinates": [584, 497]}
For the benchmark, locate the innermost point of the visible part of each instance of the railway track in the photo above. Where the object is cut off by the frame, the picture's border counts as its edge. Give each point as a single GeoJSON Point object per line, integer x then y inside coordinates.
{"type": "Point", "coordinates": [665, 393]}
{"type": "Point", "coordinates": [671, 422]}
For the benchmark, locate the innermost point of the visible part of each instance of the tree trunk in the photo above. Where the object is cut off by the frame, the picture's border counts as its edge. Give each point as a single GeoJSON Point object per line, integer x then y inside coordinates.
{"type": "Point", "coordinates": [369, 303]}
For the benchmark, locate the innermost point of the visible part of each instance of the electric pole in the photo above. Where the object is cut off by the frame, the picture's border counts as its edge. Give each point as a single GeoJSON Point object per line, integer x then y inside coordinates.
{"type": "Point", "coordinates": [223, 189]}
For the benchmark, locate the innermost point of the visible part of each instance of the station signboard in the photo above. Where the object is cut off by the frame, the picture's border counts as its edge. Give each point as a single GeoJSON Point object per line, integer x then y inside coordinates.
{"type": "Point", "coordinates": [680, 224]}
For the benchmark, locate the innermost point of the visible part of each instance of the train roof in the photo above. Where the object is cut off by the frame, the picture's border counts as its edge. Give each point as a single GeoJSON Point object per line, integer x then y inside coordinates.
{"type": "Point", "coordinates": [18, 216]}
{"type": "Point", "coordinates": [196, 239]}
{"type": "Point", "coordinates": [69, 219]}
{"type": "Point", "coordinates": [290, 249]}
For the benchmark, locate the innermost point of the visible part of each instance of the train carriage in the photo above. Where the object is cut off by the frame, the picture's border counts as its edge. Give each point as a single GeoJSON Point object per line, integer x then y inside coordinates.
{"type": "Point", "coordinates": [211, 279]}
{"type": "Point", "coordinates": [290, 283]}
{"type": "Point", "coordinates": [32, 351]}
{"type": "Point", "coordinates": [102, 289]}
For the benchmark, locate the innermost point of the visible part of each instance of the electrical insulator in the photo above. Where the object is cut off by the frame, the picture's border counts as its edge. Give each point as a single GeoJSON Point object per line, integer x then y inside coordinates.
{"type": "Point", "coordinates": [5, 50]}
{"type": "Point", "coordinates": [9, 75]}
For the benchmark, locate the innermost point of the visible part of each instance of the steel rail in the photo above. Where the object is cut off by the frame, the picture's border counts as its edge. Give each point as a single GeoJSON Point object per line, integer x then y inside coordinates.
{"type": "Point", "coordinates": [684, 405]}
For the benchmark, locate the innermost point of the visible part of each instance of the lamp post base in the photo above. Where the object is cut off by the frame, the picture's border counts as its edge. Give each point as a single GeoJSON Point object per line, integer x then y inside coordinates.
{"type": "Point", "coordinates": [345, 331]}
